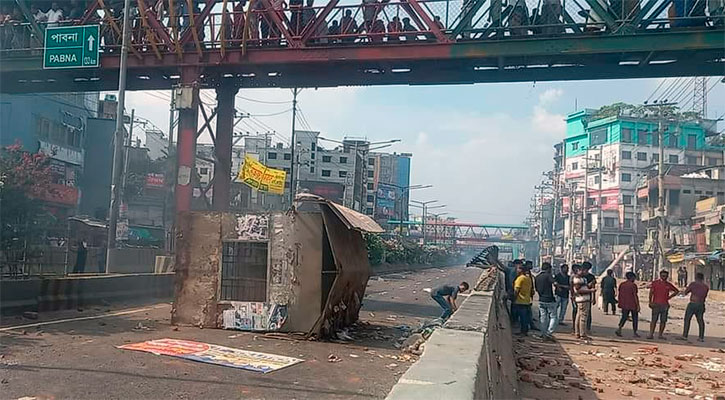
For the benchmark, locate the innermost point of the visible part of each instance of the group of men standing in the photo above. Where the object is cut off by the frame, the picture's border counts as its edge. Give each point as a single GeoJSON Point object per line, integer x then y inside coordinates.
{"type": "Point", "coordinates": [579, 287]}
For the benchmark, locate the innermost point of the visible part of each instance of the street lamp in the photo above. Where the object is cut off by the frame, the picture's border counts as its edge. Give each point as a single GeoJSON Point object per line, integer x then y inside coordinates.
{"type": "Point", "coordinates": [437, 219]}
{"type": "Point", "coordinates": [403, 191]}
{"type": "Point", "coordinates": [425, 207]}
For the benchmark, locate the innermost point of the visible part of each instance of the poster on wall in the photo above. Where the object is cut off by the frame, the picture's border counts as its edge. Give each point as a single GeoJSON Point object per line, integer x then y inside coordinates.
{"type": "Point", "coordinates": [254, 316]}
{"type": "Point", "coordinates": [214, 354]}
{"type": "Point", "coordinates": [259, 176]}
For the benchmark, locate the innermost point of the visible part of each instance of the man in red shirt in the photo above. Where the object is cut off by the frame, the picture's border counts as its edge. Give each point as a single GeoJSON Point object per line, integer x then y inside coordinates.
{"type": "Point", "coordinates": [660, 293]}
{"type": "Point", "coordinates": [698, 293]}
{"type": "Point", "coordinates": [629, 303]}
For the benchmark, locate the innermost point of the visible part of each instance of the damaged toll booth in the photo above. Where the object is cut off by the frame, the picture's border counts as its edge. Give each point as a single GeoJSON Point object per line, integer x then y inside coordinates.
{"type": "Point", "coordinates": [304, 270]}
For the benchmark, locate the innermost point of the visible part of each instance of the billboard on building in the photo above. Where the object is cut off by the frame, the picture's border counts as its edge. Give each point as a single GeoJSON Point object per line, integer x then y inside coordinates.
{"type": "Point", "coordinates": [334, 192]}
{"type": "Point", "coordinates": [385, 199]}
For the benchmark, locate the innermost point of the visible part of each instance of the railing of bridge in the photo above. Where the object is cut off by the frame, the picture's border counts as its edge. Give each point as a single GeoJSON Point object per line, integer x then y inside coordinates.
{"type": "Point", "coordinates": [167, 26]}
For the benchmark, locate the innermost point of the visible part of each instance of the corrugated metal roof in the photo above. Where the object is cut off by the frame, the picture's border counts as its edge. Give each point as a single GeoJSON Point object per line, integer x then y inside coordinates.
{"type": "Point", "coordinates": [351, 218]}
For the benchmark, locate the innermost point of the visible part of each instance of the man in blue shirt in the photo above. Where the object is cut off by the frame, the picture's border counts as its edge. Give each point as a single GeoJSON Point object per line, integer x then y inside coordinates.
{"type": "Point", "coordinates": [446, 296]}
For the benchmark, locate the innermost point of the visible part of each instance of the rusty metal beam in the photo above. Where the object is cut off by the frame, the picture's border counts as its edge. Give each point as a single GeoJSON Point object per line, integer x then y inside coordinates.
{"type": "Point", "coordinates": [90, 11]}
{"type": "Point", "coordinates": [112, 23]}
{"type": "Point", "coordinates": [147, 28]}
{"type": "Point", "coordinates": [173, 21]}
{"type": "Point", "coordinates": [203, 15]}
{"type": "Point", "coordinates": [207, 122]}
{"type": "Point", "coordinates": [192, 27]}
{"type": "Point", "coordinates": [281, 27]}
{"type": "Point", "coordinates": [39, 38]}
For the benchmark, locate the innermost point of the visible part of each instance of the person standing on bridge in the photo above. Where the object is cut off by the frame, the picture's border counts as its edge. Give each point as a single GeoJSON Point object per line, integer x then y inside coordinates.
{"type": "Point", "coordinates": [548, 316]}
{"type": "Point", "coordinates": [562, 292]}
{"type": "Point", "coordinates": [698, 293]}
{"type": "Point", "coordinates": [523, 292]}
{"type": "Point", "coordinates": [660, 293]}
{"type": "Point", "coordinates": [628, 303]}
{"type": "Point", "coordinates": [446, 296]}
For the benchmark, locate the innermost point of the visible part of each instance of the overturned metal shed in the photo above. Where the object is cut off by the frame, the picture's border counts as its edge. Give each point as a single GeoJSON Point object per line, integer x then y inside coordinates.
{"type": "Point", "coordinates": [301, 271]}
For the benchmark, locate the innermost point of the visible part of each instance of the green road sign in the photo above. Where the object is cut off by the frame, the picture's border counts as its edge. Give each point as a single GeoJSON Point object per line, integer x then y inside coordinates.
{"type": "Point", "coordinates": [71, 47]}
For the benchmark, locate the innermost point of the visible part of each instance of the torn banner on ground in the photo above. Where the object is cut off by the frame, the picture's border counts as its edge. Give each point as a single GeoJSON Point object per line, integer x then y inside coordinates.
{"type": "Point", "coordinates": [214, 354]}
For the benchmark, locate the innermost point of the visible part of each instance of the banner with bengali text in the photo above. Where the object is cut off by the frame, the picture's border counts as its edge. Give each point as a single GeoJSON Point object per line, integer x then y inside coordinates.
{"type": "Point", "coordinates": [259, 176]}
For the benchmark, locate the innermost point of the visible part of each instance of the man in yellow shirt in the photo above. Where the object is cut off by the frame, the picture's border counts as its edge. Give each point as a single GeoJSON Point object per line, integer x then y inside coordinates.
{"type": "Point", "coordinates": [523, 292]}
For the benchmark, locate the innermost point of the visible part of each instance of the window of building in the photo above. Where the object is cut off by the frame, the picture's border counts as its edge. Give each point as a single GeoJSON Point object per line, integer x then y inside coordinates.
{"type": "Point", "coordinates": [626, 155]}
{"type": "Point", "coordinates": [574, 166]}
{"type": "Point", "coordinates": [371, 174]}
{"type": "Point", "coordinates": [655, 138]}
{"type": "Point", "coordinates": [343, 160]}
{"type": "Point", "coordinates": [371, 161]}
{"type": "Point", "coordinates": [626, 199]}
{"type": "Point", "coordinates": [244, 271]}
{"type": "Point", "coordinates": [691, 141]}
{"type": "Point", "coordinates": [287, 156]}
{"type": "Point", "coordinates": [326, 158]}
{"type": "Point", "coordinates": [686, 191]}
{"type": "Point", "coordinates": [609, 222]}
{"type": "Point", "coordinates": [575, 146]}
{"type": "Point", "coordinates": [721, 193]}
{"type": "Point", "coordinates": [691, 160]}
{"type": "Point", "coordinates": [591, 201]}
{"type": "Point", "coordinates": [287, 170]}
{"type": "Point", "coordinates": [312, 156]}
{"type": "Point", "coordinates": [708, 192]}
{"type": "Point", "coordinates": [596, 179]}
{"type": "Point", "coordinates": [369, 211]}
{"type": "Point", "coordinates": [313, 146]}
{"type": "Point", "coordinates": [675, 197]}
{"type": "Point", "coordinates": [598, 136]}
{"type": "Point", "coordinates": [673, 159]}
{"type": "Point", "coordinates": [711, 161]}
{"type": "Point", "coordinates": [627, 223]}
{"type": "Point", "coordinates": [655, 157]}
{"type": "Point", "coordinates": [203, 171]}
{"type": "Point", "coordinates": [371, 198]}
{"type": "Point", "coordinates": [312, 170]}
{"type": "Point", "coordinates": [271, 156]}
{"type": "Point", "coordinates": [626, 135]}
{"type": "Point", "coordinates": [371, 186]}
{"type": "Point", "coordinates": [342, 174]}
{"type": "Point", "coordinates": [672, 140]}
{"type": "Point", "coordinates": [286, 185]}
{"type": "Point", "coordinates": [698, 191]}
{"type": "Point", "coordinates": [642, 137]}
{"type": "Point", "coordinates": [626, 177]}
{"type": "Point", "coordinates": [641, 156]}
{"type": "Point", "coordinates": [326, 172]}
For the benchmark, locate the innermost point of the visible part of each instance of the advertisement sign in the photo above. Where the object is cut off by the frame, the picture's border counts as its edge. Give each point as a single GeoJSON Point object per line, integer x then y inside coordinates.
{"type": "Point", "coordinates": [255, 316]}
{"type": "Point", "coordinates": [385, 198]}
{"type": "Point", "coordinates": [214, 354]}
{"type": "Point", "coordinates": [61, 153]}
{"type": "Point", "coordinates": [259, 176]}
{"type": "Point", "coordinates": [154, 180]}
{"type": "Point", "coordinates": [334, 192]}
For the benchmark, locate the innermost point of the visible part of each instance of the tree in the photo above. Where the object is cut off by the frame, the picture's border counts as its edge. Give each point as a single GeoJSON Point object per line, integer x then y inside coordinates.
{"type": "Point", "coordinates": [24, 179]}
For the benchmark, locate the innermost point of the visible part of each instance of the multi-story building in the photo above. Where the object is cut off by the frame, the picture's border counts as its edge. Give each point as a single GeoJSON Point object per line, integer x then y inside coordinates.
{"type": "Point", "coordinates": [55, 125]}
{"type": "Point", "coordinates": [604, 157]}
{"type": "Point", "coordinates": [388, 185]}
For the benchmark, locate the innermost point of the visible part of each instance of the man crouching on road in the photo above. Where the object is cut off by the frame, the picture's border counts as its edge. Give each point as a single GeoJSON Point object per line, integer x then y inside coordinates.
{"type": "Point", "coordinates": [446, 296]}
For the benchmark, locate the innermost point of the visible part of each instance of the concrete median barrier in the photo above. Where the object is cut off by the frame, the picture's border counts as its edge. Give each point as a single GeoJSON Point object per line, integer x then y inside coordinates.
{"type": "Point", "coordinates": [471, 357]}
{"type": "Point", "coordinates": [17, 296]}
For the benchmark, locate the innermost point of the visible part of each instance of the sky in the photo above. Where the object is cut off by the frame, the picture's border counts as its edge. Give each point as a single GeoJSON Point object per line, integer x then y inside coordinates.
{"type": "Point", "coordinates": [483, 147]}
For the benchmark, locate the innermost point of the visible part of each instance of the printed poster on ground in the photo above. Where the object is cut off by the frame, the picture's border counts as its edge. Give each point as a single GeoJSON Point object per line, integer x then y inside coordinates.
{"type": "Point", "coordinates": [259, 176]}
{"type": "Point", "coordinates": [214, 354]}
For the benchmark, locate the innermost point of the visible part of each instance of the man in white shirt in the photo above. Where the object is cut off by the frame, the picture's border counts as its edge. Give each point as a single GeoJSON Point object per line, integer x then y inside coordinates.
{"type": "Point", "coordinates": [54, 15]}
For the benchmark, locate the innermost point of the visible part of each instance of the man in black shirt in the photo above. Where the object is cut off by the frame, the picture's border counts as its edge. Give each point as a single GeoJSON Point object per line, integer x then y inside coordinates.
{"type": "Point", "coordinates": [562, 292]}
{"type": "Point", "coordinates": [548, 317]}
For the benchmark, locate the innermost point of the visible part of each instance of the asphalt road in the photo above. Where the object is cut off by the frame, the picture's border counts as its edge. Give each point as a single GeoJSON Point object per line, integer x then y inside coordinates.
{"type": "Point", "coordinates": [78, 358]}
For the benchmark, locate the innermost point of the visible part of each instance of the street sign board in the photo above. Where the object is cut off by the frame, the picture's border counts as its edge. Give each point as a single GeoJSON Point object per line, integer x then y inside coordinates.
{"type": "Point", "coordinates": [71, 47]}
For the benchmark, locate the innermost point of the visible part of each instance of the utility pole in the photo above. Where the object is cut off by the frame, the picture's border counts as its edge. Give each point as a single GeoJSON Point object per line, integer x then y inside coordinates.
{"type": "Point", "coordinates": [127, 148]}
{"type": "Point", "coordinates": [660, 198]}
{"type": "Point", "coordinates": [118, 138]}
{"type": "Point", "coordinates": [585, 197]}
{"type": "Point", "coordinates": [264, 161]}
{"type": "Point", "coordinates": [293, 183]}
{"type": "Point", "coordinates": [600, 220]}
{"type": "Point", "coordinates": [168, 180]}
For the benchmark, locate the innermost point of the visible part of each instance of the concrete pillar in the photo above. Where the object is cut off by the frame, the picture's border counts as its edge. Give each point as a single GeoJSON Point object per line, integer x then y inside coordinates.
{"type": "Point", "coordinates": [223, 147]}
{"type": "Point", "coordinates": [187, 102]}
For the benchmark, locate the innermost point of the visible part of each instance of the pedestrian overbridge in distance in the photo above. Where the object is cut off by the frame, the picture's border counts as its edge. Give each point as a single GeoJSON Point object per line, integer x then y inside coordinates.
{"type": "Point", "coordinates": [468, 235]}
{"type": "Point", "coordinates": [374, 42]}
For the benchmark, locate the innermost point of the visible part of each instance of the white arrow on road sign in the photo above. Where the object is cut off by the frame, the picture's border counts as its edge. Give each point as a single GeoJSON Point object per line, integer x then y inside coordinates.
{"type": "Point", "coordinates": [91, 39]}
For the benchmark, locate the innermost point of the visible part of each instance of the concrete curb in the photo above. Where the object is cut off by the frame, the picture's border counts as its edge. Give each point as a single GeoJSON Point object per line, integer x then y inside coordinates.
{"type": "Point", "coordinates": [471, 357]}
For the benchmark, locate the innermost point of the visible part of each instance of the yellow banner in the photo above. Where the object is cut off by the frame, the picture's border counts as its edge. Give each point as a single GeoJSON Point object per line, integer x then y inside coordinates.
{"type": "Point", "coordinates": [261, 177]}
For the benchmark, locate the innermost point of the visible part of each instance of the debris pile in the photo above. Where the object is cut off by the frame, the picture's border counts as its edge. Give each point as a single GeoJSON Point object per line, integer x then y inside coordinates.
{"type": "Point", "coordinates": [486, 258]}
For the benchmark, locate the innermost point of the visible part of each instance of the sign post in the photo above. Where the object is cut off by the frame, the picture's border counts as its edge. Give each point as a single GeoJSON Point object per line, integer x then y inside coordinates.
{"type": "Point", "coordinates": [71, 47]}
